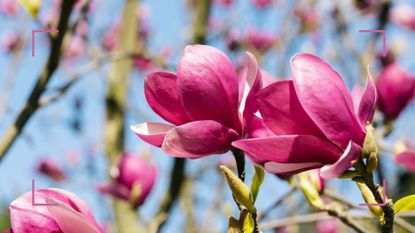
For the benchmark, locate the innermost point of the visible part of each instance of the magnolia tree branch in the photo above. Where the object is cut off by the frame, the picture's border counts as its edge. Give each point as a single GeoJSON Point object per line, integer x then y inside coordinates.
{"type": "Point", "coordinates": [32, 103]}
{"type": "Point", "coordinates": [125, 215]}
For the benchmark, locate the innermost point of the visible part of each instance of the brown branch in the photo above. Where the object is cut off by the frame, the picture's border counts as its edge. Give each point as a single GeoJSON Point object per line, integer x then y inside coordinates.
{"type": "Point", "coordinates": [32, 103]}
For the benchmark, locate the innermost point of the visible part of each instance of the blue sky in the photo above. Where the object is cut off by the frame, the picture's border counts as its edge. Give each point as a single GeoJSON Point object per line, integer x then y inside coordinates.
{"type": "Point", "coordinates": [47, 134]}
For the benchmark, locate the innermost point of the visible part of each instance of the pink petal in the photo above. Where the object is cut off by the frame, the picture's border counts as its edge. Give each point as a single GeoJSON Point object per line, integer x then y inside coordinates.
{"type": "Point", "coordinates": [350, 155]}
{"type": "Point", "coordinates": [198, 139]}
{"type": "Point", "coordinates": [69, 220]}
{"type": "Point", "coordinates": [357, 93]}
{"type": "Point", "coordinates": [406, 159]}
{"type": "Point", "coordinates": [287, 169]}
{"type": "Point", "coordinates": [289, 149]}
{"type": "Point", "coordinates": [160, 89]}
{"type": "Point", "coordinates": [152, 133]}
{"type": "Point", "coordinates": [208, 85]}
{"type": "Point", "coordinates": [252, 86]}
{"type": "Point", "coordinates": [282, 112]}
{"type": "Point", "coordinates": [326, 99]}
{"type": "Point", "coordinates": [267, 78]}
{"type": "Point", "coordinates": [368, 102]}
{"type": "Point", "coordinates": [31, 221]}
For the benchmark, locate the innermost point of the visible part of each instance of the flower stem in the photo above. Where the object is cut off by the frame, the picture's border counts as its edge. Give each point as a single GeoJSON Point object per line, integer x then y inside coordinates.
{"type": "Point", "coordinates": [240, 163]}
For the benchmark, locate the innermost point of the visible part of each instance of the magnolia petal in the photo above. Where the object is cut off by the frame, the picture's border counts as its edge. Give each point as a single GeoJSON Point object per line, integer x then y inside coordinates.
{"type": "Point", "coordinates": [198, 139]}
{"type": "Point", "coordinates": [406, 159]}
{"type": "Point", "coordinates": [287, 169]}
{"type": "Point", "coordinates": [152, 133]}
{"type": "Point", "coordinates": [368, 102]}
{"type": "Point", "coordinates": [357, 93]}
{"type": "Point", "coordinates": [253, 85]}
{"type": "Point", "coordinates": [350, 155]}
{"type": "Point", "coordinates": [208, 85]}
{"type": "Point", "coordinates": [160, 89]}
{"type": "Point", "coordinates": [267, 78]}
{"type": "Point", "coordinates": [289, 149]}
{"type": "Point", "coordinates": [31, 221]}
{"type": "Point", "coordinates": [69, 220]}
{"type": "Point", "coordinates": [326, 99]}
{"type": "Point", "coordinates": [282, 112]}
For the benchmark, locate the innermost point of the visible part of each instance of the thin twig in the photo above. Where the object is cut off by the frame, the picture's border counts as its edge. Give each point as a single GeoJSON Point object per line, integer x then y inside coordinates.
{"type": "Point", "coordinates": [264, 214]}
{"type": "Point", "coordinates": [32, 103]}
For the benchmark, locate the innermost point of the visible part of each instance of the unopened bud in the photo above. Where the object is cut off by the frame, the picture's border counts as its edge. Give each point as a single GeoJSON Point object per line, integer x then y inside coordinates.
{"type": "Point", "coordinates": [372, 162]}
{"type": "Point", "coordinates": [369, 145]}
{"type": "Point", "coordinates": [239, 190]}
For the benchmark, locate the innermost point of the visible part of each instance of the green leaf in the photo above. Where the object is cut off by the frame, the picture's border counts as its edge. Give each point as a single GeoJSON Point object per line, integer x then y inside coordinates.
{"type": "Point", "coordinates": [249, 224]}
{"type": "Point", "coordinates": [405, 204]}
{"type": "Point", "coordinates": [257, 180]}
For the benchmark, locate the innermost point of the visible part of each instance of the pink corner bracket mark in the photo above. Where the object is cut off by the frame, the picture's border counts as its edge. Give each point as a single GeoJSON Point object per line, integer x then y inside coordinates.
{"type": "Point", "coordinates": [33, 197]}
{"type": "Point", "coordinates": [385, 198]}
{"type": "Point", "coordinates": [33, 38]}
{"type": "Point", "coordinates": [384, 38]}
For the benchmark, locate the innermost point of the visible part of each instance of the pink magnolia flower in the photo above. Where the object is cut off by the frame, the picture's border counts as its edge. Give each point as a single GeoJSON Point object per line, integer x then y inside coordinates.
{"type": "Point", "coordinates": [260, 40]}
{"type": "Point", "coordinates": [9, 7]}
{"type": "Point", "coordinates": [261, 4]}
{"type": "Point", "coordinates": [133, 172]}
{"type": "Point", "coordinates": [51, 169]}
{"type": "Point", "coordinates": [403, 15]}
{"type": "Point", "coordinates": [206, 103]}
{"type": "Point", "coordinates": [406, 156]}
{"type": "Point", "coordinates": [396, 89]}
{"type": "Point", "coordinates": [68, 214]}
{"type": "Point", "coordinates": [316, 122]}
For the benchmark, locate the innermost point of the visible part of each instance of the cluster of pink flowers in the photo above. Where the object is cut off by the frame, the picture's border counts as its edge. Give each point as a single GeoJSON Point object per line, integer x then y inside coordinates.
{"type": "Point", "coordinates": [312, 121]}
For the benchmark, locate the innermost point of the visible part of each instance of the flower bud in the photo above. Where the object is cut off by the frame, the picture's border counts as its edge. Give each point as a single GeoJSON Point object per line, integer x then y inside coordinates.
{"type": "Point", "coordinates": [369, 198]}
{"type": "Point", "coordinates": [370, 144]}
{"type": "Point", "coordinates": [239, 190]}
{"type": "Point", "coordinates": [310, 189]}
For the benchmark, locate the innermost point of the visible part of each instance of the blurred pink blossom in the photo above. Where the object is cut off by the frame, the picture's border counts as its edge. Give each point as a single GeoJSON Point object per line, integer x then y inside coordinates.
{"type": "Point", "coordinates": [51, 169]}
{"type": "Point", "coordinates": [10, 41]}
{"type": "Point", "coordinates": [226, 3]}
{"type": "Point", "coordinates": [133, 171]}
{"type": "Point", "coordinates": [308, 17]}
{"type": "Point", "coordinates": [330, 225]}
{"type": "Point", "coordinates": [403, 15]}
{"type": "Point", "coordinates": [110, 39]}
{"type": "Point", "coordinates": [67, 214]}
{"type": "Point", "coordinates": [260, 40]}
{"type": "Point", "coordinates": [315, 118]}
{"type": "Point", "coordinates": [396, 88]}
{"type": "Point", "coordinates": [9, 7]}
{"type": "Point", "coordinates": [76, 47]}
{"type": "Point", "coordinates": [261, 4]}
{"type": "Point", "coordinates": [406, 156]}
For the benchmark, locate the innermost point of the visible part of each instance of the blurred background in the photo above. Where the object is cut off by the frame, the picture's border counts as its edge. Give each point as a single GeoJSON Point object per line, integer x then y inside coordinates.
{"type": "Point", "coordinates": [65, 143]}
